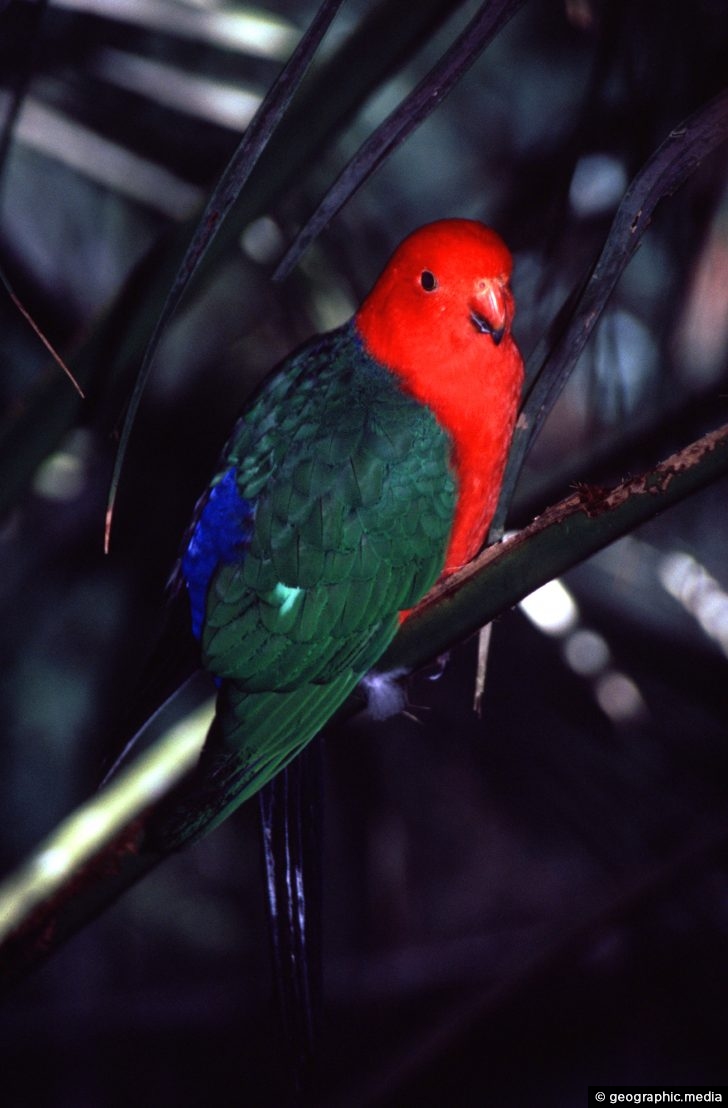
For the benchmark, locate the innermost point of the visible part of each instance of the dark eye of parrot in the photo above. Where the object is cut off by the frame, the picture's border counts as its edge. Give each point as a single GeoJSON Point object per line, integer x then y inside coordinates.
{"type": "Point", "coordinates": [428, 280]}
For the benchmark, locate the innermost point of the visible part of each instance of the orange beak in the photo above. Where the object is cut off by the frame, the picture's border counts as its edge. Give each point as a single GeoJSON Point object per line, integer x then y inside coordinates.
{"type": "Point", "coordinates": [491, 309]}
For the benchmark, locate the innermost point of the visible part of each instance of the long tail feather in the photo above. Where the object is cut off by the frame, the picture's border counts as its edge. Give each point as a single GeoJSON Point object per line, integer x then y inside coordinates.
{"type": "Point", "coordinates": [231, 769]}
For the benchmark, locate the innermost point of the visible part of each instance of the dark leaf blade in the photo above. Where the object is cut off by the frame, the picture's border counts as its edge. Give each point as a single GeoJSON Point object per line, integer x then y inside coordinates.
{"type": "Point", "coordinates": [224, 196]}
{"type": "Point", "coordinates": [108, 359]}
{"type": "Point", "coordinates": [664, 172]}
{"type": "Point", "coordinates": [412, 111]}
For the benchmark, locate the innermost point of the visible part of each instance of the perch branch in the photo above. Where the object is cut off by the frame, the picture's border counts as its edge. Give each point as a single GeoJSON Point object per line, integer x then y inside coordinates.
{"type": "Point", "coordinates": [106, 845]}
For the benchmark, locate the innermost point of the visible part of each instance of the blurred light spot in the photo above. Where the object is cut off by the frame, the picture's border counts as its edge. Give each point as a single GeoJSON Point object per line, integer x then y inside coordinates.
{"type": "Point", "coordinates": [551, 608]}
{"type": "Point", "coordinates": [93, 824]}
{"type": "Point", "coordinates": [586, 652]}
{"type": "Point", "coordinates": [597, 185]}
{"type": "Point", "coordinates": [262, 240]}
{"type": "Point", "coordinates": [214, 101]}
{"type": "Point", "coordinates": [331, 308]}
{"type": "Point", "coordinates": [54, 862]}
{"type": "Point", "coordinates": [581, 14]}
{"type": "Point", "coordinates": [699, 594]}
{"type": "Point", "coordinates": [702, 338]}
{"type": "Point", "coordinates": [53, 134]}
{"type": "Point", "coordinates": [624, 355]}
{"type": "Point", "coordinates": [60, 477]}
{"type": "Point", "coordinates": [249, 32]}
{"type": "Point", "coordinates": [675, 572]}
{"type": "Point", "coordinates": [619, 697]}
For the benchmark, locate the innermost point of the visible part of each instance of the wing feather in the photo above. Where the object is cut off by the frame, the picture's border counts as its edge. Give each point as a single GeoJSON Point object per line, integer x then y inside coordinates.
{"type": "Point", "coordinates": [350, 499]}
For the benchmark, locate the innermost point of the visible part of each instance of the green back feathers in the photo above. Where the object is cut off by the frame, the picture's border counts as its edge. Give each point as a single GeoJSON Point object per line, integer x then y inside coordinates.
{"type": "Point", "coordinates": [353, 501]}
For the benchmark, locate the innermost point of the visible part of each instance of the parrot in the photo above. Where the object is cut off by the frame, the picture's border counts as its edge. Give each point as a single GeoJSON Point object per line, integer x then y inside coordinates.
{"type": "Point", "coordinates": [364, 470]}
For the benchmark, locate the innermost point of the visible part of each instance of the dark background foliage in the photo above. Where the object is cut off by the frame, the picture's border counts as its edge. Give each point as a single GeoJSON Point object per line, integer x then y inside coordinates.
{"type": "Point", "coordinates": [515, 906]}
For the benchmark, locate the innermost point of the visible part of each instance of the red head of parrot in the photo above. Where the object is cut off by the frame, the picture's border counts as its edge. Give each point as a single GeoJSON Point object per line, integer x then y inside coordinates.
{"type": "Point", "coordinates": [440, 318]}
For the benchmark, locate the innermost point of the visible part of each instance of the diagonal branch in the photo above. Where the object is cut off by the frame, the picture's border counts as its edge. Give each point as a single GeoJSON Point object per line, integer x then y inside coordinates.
{"type": "Point", "coordinates": [564, 535]}
{"type": "Point", "coordinates": [549, 369]}
{"type": "Point", "coordinates": [108, 844]}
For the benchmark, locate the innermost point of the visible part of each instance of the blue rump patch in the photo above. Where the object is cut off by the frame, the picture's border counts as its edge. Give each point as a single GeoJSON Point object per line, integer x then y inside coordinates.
{"type": "Point", "coordinates": [221, 536]}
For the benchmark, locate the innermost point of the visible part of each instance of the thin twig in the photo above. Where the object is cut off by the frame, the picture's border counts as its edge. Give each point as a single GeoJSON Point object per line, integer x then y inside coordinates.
{"type": "Point", "coordinates": [46, 342]}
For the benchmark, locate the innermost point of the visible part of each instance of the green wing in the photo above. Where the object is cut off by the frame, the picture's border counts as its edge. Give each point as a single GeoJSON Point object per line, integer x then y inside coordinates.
{"type": "Point", "coordinates": [353, 503]}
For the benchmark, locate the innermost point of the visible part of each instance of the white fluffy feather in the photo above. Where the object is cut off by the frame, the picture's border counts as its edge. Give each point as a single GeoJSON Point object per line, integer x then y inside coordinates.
{"type": "Point", "coordinates": [384, 692]}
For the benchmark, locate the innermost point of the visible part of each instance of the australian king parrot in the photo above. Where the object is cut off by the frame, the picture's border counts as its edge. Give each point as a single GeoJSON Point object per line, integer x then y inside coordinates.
{"type": "Point", "coordinates": [366, 468]}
